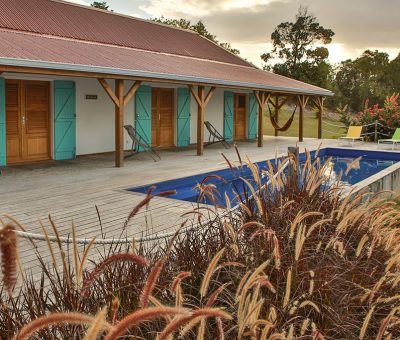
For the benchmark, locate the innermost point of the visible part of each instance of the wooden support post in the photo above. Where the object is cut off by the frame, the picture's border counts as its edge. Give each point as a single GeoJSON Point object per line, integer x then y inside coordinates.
{"type": "Point", "coordinates": [302, 103]}
{"type": "Point", "coordinates": [120, 100]}
{"type": "Point", "coordinates": [119, 123]}
{"type": "Point", "coordinates": [276, 106]}
{"type": "Point", "coordinates": [262, 99]}
{"type": "Point", "coordinates": [320, 101]}
{"type": "Point", "coordinates": [202, 101]}
{"type": "Point", "coordinates": [260, 134]}
{"type": "Point", "coordinates": [200, 121]}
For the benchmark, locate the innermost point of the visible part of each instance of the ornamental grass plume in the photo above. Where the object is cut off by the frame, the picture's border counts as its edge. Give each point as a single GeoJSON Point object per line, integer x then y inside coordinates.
{"type": "Point", "coordinates": [303, 261]}
{"type": "Point", "coordinates": [9, 257]}
{"type": "Point", "coordinates": [56, 319]}
{"type": "Point", "coordinates": [99, 268]}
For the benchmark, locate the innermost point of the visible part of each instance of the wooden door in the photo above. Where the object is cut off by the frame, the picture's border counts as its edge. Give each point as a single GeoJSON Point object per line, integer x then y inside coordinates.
{"type": "Point", "coordinates": [240, 114]}
{"type": "Point", "coordinates": [27, 121]}
{"type": "Point", "coordinates": [162, 131]}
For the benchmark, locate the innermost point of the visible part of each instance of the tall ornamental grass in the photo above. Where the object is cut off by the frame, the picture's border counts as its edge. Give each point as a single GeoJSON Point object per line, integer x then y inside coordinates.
{"type": "Point", "coordinates": [297, 259]}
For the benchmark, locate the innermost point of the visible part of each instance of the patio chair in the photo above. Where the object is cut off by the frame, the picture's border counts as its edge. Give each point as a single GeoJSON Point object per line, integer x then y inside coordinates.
{"type": "Point", "coordinates": [215, 136]}
{"type": "Point", "coordinates": [395, 140]}
{"type": "Point", "coordinates": [353, 134]}
{"type": "Point", "coordinates": [139, 144]}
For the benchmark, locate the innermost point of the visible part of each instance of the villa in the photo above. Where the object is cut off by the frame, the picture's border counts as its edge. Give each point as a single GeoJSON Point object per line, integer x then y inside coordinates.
{"type": "Point", "coordinates": [73, 76]}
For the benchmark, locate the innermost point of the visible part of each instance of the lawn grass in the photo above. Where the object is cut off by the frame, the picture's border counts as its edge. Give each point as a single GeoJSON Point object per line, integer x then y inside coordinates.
{"type": "Point", "coordinates": [310, 127]}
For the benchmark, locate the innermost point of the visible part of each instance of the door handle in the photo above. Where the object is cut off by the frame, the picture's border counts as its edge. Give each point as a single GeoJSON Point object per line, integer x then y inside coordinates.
{"type": "Point", "coordinates": [159, 116]}
{"type": "Point", "coordinates": [23, 120]}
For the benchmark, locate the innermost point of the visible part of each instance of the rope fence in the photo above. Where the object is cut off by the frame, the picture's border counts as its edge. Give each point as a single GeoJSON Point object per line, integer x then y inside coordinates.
{"type": "Point", "coordinates": [114, 241]}
{"type": "Point", "coordinates": [376, 132]}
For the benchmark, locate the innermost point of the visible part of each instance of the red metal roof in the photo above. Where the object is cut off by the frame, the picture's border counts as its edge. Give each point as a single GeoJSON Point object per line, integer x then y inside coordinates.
{"type": "Point", "coordinates": [84, 23]}
{"type": "Point", "coordinates": [56, 35]}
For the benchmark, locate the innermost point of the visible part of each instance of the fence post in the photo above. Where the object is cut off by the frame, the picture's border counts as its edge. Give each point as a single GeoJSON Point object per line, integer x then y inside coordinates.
{"type": "Point", "coordinates": [376, 131]}
{"type": "Point", "coordinates": [293, 167]}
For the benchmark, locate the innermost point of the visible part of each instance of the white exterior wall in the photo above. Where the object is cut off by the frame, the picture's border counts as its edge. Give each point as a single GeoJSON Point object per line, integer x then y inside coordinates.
{"type": "Point", "coordinates": [95, 120]}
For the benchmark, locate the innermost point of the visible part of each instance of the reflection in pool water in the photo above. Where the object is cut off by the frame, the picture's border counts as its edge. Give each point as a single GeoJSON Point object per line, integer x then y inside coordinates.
{"type": "Point", "coordinates": [352, 166]}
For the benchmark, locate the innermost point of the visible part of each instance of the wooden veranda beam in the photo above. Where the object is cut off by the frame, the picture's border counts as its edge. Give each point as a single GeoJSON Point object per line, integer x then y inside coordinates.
{"type": "Point", "coordinates": [112, 76]}
{"type": "Point", "coordinates": [119, 123]}
{"type": "Point", "coordinates": [132, 92]}
{"type": "Point", "coordinates": [109, 90]}
{"type": "Point", "coordinates": [194, 94]}
{"type": "Point", "coordinates": [302, 100]}
{"type": "Point", "coordinates": [209, 95]}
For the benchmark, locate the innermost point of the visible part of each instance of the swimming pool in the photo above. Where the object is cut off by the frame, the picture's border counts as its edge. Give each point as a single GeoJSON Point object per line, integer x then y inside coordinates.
{"type": "Point", "coordinates": [229, 182]}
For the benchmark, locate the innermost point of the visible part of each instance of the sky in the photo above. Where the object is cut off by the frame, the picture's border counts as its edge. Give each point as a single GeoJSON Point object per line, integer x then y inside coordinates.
{"type": "Point", "coordinates": [248, 24]}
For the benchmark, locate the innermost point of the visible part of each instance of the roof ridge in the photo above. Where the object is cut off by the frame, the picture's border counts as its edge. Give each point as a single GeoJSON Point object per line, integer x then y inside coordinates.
{"type": "Point", "coordinates": [56, 37]}
{"type": "Point", "coordinates": [236, 55]}
{"type": "Point", "coordinates": [127, 16]}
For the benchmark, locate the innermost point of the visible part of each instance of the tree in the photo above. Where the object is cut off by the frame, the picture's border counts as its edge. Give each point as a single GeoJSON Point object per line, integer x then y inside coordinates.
{"type": "Point", "coordinates": [295, 44]}
{"type": "Point", "coordinates": [366, 77]}
{"type": "Point", "coordinates": [393, 72]}
{"type": "Point", "coordinates": [100, 5]}
{"type": "Point", "coordinates": [198, 27]}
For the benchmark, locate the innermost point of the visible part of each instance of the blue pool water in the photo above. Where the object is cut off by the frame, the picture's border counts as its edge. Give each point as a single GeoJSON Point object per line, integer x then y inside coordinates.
{"type": "Point", "coordinates": [228, 181]}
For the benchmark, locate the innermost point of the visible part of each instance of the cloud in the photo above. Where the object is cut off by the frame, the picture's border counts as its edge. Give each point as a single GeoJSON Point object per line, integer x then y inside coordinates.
{"type": "Point", "coordinates": [203, 8]}
{"type": "Point", "coordinates": [79, 2]}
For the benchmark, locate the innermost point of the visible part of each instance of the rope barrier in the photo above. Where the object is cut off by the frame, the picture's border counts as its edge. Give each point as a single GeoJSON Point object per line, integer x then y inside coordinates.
{"type": "Point", "coordinates": [339, 126]}
{"type": "Point", "coordinates": [329, 131]}
{"type": "Point", "coordinates": [375, 132]}
{"type": "Point", "coordinates": [114, 241]}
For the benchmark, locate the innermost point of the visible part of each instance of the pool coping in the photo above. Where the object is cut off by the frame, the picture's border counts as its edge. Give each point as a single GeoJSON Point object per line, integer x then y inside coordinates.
{"type": "Point", "coordinates": [378, 179]}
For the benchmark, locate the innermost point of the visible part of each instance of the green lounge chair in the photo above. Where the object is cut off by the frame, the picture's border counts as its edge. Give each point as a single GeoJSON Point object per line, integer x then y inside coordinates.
{"type": "Point", "coordinates": [393, 141]}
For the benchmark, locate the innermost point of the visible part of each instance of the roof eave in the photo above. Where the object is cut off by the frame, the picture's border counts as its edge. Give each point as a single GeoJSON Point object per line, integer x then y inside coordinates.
{"type": "Point", "coordinates": [161, 76]}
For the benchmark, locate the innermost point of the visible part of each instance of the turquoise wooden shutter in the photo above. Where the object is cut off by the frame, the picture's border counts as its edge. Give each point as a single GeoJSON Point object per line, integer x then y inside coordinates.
{"type": "Point", "coordinates": [64, 120]}
{"type": "Point", "coordinates": [252, 117]}
{"type": "Point", "coordinates": [2, 122]}
{"type": "Point", "coordinates": [228, 115]}
{"type": "Point", "coordinates": [143, 113]}
{"type": "Point", "coordinates": [183, 124]}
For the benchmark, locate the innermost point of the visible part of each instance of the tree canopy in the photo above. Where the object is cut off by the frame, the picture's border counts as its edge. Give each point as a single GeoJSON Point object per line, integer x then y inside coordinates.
{"type": "Point", "coordinates": [372, 76]}
{"type": "Point", "coordinates": [100, 5]}
{"type": "Point", "coordinates": [298, 44]}
{"type": "Point", "coordinates": [198, 27]}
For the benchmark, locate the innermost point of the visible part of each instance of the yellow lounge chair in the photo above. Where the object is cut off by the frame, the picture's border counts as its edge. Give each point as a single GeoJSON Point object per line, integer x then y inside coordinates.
{"type": "Point", "coordinates": [353, 134]}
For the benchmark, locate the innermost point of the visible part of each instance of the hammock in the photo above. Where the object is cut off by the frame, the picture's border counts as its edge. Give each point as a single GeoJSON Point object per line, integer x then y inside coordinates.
{"type": "Point", "coordinates": [275, 123]}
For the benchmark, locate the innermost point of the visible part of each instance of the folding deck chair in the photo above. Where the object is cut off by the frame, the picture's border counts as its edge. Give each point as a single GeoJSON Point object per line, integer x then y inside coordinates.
{"type": "Point", "coordinates": [395, 140]}
{"type": "Point", "coordinates": [353, 134]}
{"type": "Point", "coordinates": [215, 136]}
{"type": "Point", "coordinates": [139, 143]}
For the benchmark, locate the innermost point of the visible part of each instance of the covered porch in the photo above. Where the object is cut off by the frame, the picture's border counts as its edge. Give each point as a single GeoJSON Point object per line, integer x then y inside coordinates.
{"type": "Point", "coordinates": [82, 113]}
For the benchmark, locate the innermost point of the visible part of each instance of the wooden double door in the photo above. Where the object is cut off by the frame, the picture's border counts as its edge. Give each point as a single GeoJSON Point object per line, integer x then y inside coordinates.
{"type": "Point", "coordinates": [27, 121]}
{"type": "Point", "coordinates": [162, 121]}
{"type": "Point", "coordinates": [240, 116]}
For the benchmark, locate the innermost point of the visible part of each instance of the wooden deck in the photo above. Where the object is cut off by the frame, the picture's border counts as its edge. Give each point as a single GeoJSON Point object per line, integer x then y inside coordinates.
{"type": "Point", "coordinates": [70, 191]}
